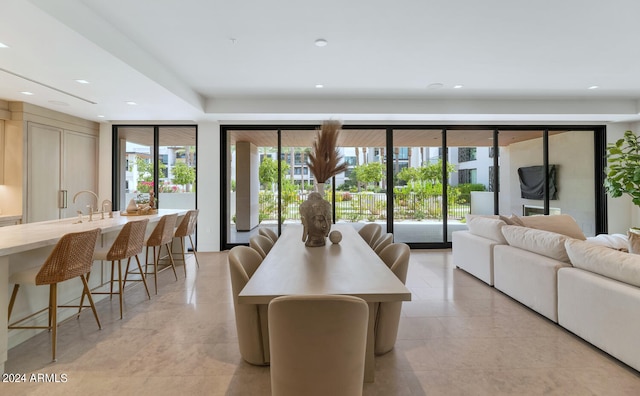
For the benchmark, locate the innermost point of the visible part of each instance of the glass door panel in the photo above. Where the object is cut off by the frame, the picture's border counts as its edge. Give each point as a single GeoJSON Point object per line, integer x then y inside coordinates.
{"type": "Point", "coordinates": [135, 159]}
{"type": "Point", "coordinates": [470, 176]}
{"type": "Point", "coordinates": [177, 166]}
{"type": "Point", "coordinates": [361, 191]}
{"type": "Point", "coordinates": [519, 151]}
{"type": "Point", "coordinates": [417, 186]}
{"type": "Point", "coordinates": [571, 154]}
{"type": "Point", "coordinates": [252, 191]}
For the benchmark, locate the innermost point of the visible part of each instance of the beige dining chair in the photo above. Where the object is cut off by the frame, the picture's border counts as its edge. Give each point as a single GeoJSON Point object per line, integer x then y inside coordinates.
{"type": "Point", "coordinates": [243, 262]}
{"type": "Point", "coordinates": [186, 228]}
{"type": "Point", "coordinates": [261, 244]}
{"type": "Point", "coordinates": [161, 236]}
{"type": "Point", "coordinates": [382, 242]}
{"type": "Point", "coordinates": [370, 232]}
{"type": "Point", "coordinates": [269, 233]}
{"type": "Point", "coordinates": [318, 345]}
{"type": "Point", "coordinates": [72, 257]}
{"type": "Point", "coordinates": [396, 257]}
{"type": "Point", "coordinates": [128, 244]}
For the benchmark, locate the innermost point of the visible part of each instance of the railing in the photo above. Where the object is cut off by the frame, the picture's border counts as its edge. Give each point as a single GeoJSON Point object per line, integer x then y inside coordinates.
{"type": "Point", "coordinates": [366, 206]}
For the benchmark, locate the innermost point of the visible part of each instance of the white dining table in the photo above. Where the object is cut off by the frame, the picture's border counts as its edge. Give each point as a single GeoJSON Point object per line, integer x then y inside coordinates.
{"type": "Point", "coordinates": [348, 268]}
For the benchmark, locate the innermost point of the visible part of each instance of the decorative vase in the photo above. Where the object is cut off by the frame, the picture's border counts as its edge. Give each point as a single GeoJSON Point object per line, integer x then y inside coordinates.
{"type": "Point", "coordinates": [320, 189]}
{"type": "Point", "coordinates": [315, 214]}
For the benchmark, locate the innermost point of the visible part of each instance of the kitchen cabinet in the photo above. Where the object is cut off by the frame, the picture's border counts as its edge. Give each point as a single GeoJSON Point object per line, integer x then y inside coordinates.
{"type": "Point", "coordinates": [60, 163]}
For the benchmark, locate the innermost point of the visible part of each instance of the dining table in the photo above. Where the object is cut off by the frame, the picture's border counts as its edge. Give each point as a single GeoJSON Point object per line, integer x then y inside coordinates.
{"type": "Point", "coordinates": [349, 267]}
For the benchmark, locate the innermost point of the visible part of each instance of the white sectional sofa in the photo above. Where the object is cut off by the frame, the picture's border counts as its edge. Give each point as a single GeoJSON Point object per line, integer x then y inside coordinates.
{"type": "Point", "coordinates": [585, 285]}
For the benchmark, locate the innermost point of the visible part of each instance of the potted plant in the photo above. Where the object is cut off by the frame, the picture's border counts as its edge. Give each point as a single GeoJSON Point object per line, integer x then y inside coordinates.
{"type": "Point", "coordinates": [623, 176]}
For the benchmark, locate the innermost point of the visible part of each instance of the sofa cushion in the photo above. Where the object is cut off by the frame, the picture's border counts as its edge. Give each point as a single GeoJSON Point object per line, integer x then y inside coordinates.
{"type": "Point", "coordinates": [545, 243]}
{"type": "Point", "coordinates": [486, 227]}
{"type": "Point", "coordinates": [621, 266]}
{"type": "Point", "coordinates": [560, 224]}
{"type": "Point", "coordinates": [512, 220]}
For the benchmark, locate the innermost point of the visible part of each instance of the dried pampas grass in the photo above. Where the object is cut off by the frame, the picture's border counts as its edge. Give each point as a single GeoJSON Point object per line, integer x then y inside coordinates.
{"type": "Point", "coordinates": [324, 159]}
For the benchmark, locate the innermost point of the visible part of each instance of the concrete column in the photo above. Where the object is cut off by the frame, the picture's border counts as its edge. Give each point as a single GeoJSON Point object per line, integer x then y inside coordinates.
{"type": "Point", "coordinates": [247, 186]}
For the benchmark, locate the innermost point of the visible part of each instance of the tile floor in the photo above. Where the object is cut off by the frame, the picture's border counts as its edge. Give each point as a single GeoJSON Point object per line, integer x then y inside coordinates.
{"type": "Point", "coordinates": [457, 337]}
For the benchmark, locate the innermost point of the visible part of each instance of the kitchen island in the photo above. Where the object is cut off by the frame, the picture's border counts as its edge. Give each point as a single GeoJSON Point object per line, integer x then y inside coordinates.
{"type": "Point", "coordinates": [26, 246]}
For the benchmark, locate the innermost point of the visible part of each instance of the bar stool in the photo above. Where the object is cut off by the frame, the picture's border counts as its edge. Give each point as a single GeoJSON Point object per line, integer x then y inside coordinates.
{"type": "Point", "coordinates": [72, 257]}
{"type": "Point", "coordinates": [128, 244]}
{"type": "Point", "coordinates": [186, 228]}
{"type": "Point", "coordinates": [269, 233]}
{"type": "Point", "coordinates": [161, 236]}
{"type": "Point", "coordinates": [261, 244]}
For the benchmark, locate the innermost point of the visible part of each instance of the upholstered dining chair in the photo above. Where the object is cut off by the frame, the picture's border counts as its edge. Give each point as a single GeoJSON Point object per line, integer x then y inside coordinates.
{"type": "Point", "coordinates": [243, 262]}
{"type": "Point", "coordinates": [318, 345]}
{"type": "Point", "coordinates": [128, 244]}
{"type": "Point", "coordinates": [370, 232]}
{"type": "Point", "coordinates": [269, 233]}
{"type": "Point", "coordinates": [72, 257]}
{"type": "Point", "coordinates": [396, 257]}
{"type": "Point", "coordinates": [261, 244]}
{"type": "Point", "coordinates": [186, 228]}
{"type": "Point", "coordinates": [382, 242]}
{"type": "Point", "coordinates": [161, 236]}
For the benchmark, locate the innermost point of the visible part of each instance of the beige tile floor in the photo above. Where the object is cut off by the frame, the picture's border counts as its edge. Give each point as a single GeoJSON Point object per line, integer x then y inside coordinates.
{"type": "Point", "coordinates": [457, 337]}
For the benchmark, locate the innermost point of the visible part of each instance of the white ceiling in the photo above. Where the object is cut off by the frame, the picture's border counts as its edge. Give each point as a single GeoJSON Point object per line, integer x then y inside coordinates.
{"type": "Point", "coordinates": [255, 60]}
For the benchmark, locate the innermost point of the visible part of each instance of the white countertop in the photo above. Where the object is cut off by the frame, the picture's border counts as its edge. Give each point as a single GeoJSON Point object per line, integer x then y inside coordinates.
{"type": "Point", "coordinates": [23, 237]}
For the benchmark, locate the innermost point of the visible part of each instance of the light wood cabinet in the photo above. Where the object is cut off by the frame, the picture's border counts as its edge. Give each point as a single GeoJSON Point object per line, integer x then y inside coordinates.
{"type": "Point", "coordinates": [60, 163]}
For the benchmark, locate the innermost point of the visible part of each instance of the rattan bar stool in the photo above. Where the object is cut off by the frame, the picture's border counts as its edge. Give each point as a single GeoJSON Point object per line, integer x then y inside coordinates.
{"type": "Point", "coordinates": [128, 244]}
{"type": "Point", "coordinates": [161, 236]}
{"type": "Point", "coordinates": [72, 257]}
{"type": "Point", "coordinates": [186, 228]}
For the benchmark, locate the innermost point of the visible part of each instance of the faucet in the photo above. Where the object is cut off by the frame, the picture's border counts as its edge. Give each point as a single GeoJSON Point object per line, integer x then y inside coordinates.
{"type": "Point", "coordinates": [88, 206]}
{"type": "Point", "coordinates": [108, 204]}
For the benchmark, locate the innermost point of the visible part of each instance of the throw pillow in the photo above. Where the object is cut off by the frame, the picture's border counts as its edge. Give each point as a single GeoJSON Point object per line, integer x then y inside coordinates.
{"type": "Point", "coordinates": [612, 241]}
{"type": "Point", "coordinates": [487, 227]}
{"type": "Point", "coordinates": [634, 242]}
{"type": "Point", "coordinates": [545, 243]}
{"type": "Point", "coordinates": [613, 264]}
{"type": "Point", "coordinates": [560, 224]}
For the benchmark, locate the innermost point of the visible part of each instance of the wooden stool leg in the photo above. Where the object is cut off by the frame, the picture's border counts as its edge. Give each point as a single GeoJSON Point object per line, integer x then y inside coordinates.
{"type": "Point", "coordinates": [195, 253]}
{"type": "Point", "coordinates": [111, 283]}
{"type": "Point", "coordinates": [12, 301]}
{"type": "Point", "coordinates": [173, 266]}
{"type": "Point", "coordinates": [156, 260]}
{"type": "Point", "coordinates": [53, 317]}
{"type": "Point", "coordinates": [88, 292]}
{"type": "Point", "coordinates": [144, 281]}
{"type": "Point", "coordinates": [184, 259]}
{"type": "Point", "coordinates": [120, 291]}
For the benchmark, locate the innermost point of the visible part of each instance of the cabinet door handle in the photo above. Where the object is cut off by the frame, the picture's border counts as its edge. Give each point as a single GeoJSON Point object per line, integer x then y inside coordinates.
{"type": "Point", "coordinates": [62, 199]}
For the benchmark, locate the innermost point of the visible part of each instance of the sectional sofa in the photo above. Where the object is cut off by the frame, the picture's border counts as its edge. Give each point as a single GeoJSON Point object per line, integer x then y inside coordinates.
{"type": "Point", "coordinates": [590, 286]}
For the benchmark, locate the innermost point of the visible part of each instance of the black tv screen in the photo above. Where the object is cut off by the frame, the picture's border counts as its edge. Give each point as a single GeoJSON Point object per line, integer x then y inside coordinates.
{"type": "Point", "coordinates": [532, 182]}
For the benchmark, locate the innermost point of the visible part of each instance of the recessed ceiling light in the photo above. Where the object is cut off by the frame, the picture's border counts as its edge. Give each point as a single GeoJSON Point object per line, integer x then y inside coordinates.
{"type": "Point", "coordinates": [26, 93]}
{"type": "Point", "coordinates": [82, 81]}
{"type": "Point", "coordinates": [131, 103]}
{"type": "Point", "coordinates": [321, 42]}
{"type": "Point", "coordinates": [435, 86]}
{"type": "Point", "coordinates": [593, 87]}
{"type": "Point", "coordinates": [457, 86]}
{"type": "Point", "coordinates": [319, 86]}
{"type": "Point", "coordinates": [2, 45]}
{"type": "Point", "coordinates": [100, 116]}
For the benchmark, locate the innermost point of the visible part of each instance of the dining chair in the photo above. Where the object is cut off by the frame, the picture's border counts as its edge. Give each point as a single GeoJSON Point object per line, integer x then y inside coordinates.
{"type": "Point", "coordinates": [382, 242]}
{"type": "Point", "coordinates": [370, 232]}
{"type": "Point", "coordinates": [161, 236]}
{"type": "Point", "coordinates": [269, 233]}
{"type": "Point", "coordinates": [261, 244]}
{"type": "Point", "coordinates": [72, 257]}
{"type": "Point", "coordinates": [128, 244]}
{"type": "Point", "coordinates": [318, 345]}
{"type": "Point", "coordinates": [243, 262]}
{"type": "Point", "coordinates": [186, 228]}
{"type": "Point", "coordinates": [396, 257]}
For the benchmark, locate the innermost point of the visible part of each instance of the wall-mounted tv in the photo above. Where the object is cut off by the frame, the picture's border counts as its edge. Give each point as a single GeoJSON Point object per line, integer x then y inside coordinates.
{"type": "Point", "coordinates": [532, 182]}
